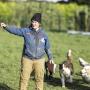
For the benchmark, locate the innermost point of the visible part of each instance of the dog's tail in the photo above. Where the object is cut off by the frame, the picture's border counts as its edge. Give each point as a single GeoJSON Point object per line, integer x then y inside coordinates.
{"type": "Point", "coordinates": [69, 55]}
{"type": "Point", "coordinates": [69, 60]}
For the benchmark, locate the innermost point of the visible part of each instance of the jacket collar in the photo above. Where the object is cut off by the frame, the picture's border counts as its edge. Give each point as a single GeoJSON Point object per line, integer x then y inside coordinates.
{"type": "Point", "coordinates": [35, 30]}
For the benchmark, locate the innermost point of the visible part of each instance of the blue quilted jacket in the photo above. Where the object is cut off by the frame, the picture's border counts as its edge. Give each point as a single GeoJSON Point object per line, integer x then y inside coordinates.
{"type": "Point", "coordinates": [36, 43]}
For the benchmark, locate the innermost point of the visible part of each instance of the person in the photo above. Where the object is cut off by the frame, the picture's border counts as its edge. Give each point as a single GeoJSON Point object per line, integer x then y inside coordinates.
{"type": "Point", "coordinates": [85, 72]}
{"type": "Point", "coordinates": [36, 45]}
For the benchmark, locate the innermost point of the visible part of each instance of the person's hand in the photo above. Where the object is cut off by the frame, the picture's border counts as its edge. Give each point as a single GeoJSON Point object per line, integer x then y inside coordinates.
{"type": "Point", "coordinates": [3, 25]}
{"type": "Point", "coordinates": [51, 61]}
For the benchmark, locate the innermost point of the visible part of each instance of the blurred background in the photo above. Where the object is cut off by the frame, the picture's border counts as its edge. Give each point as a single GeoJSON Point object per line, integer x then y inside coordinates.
{"type": "Point", "coordinates": [58, 15]}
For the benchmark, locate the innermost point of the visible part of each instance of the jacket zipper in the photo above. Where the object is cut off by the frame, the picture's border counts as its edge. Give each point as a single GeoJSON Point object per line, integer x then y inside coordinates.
{"type": "Point", "coordinates": [36, 42]}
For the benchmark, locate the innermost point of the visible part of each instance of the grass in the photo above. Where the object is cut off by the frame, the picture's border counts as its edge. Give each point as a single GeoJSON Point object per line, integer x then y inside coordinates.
{"type": "Point", "coordinates": [10, 54]}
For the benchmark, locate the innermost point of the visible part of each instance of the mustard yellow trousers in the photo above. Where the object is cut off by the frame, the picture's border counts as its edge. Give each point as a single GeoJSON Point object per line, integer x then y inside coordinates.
{"type": "Point", "coordinates": [27, 66]}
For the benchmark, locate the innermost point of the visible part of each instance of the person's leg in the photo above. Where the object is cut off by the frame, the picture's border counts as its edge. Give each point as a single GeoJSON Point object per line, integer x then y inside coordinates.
{"type": "Point", "coordinates": [39, 73]}
{"type": "Point", "coordinates": [26, 69]}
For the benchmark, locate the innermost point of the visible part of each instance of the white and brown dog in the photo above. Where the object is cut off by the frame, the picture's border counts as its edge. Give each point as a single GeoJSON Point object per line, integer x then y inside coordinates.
{"type": "Point", "coordinates": [50, 69]}
{"type": "Point", "coordinates": [66, 70]}
{"type": "Point", "coordinates": [85, 71]}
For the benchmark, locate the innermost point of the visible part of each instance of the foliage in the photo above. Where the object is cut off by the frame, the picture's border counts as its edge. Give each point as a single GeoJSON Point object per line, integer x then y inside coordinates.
{"type": "Point", "coordinates": [55, 16]}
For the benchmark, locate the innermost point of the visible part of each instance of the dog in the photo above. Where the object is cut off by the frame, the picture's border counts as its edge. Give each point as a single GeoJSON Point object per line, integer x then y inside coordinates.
{"type": "Point", "coordinates": [85, 71]}
{"type": "Point", "coordinates": [66, 69]}
{"type": "Point", "coordinates": [50, 69]}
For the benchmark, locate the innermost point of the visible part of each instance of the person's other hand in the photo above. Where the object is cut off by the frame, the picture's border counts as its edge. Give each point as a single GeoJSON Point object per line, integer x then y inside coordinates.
{"type": "Point", "coordinates": [51, 61]}
{"type": "Point", "coordinates": [3, 25]}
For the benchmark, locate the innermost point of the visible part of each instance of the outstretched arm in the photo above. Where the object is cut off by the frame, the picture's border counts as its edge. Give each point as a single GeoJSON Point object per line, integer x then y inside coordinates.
{"type": "Point", "coordinates": [13, 30]}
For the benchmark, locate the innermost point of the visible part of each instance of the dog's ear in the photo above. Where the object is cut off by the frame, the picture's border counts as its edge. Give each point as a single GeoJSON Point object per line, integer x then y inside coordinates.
{"type": "Point", "coordinates": [60, 66]}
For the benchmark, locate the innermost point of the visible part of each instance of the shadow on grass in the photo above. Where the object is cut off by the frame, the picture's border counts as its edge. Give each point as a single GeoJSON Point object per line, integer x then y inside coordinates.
{"type": "Point", "coordinates": [53, 81]}
{"type": "Point", "coordinates": [5, 87]}
{"type": "Point", "coordinates": [78, 84]}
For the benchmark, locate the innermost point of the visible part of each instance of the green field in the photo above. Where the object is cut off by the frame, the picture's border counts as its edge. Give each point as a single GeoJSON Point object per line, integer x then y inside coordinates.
{"type": "Point", "coordinates": [10, 54]}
